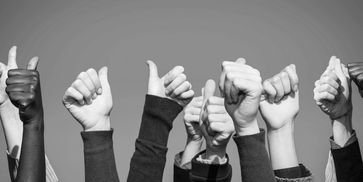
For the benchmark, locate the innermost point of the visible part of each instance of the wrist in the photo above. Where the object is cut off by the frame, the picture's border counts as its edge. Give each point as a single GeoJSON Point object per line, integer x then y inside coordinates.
{"type": "Point", "coordinates": [250, 129]}
{"type": "Point", "coordinates": [191, 149]}
{"type": "Point", "coordinates": [342, 129]}
{"type": "Point", "coordinates": [215, 153]}
{"type": "Point", "coordinates": [103, 124]}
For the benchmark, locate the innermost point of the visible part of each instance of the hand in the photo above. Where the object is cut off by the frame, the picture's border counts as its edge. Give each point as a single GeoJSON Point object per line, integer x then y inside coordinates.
{"type": "Point", "coordinates": [281, 104]}
{"type": "Point", "coordinates": [191, 119]}
{"type": "Point", "coordinates": [89, 100]}
{"type": "Point", "coordinates": [23, 89]}
{"type": "Point", "coordinates": [332, 91]}
{"type": "Point", "coordinates": [217, 125]}
{"type": "Point", "coordinates": [241, 87]}
{"type": "Point", "coordinates": [173, 85]}
{"type": "Point", "coordinates": [356, 74]}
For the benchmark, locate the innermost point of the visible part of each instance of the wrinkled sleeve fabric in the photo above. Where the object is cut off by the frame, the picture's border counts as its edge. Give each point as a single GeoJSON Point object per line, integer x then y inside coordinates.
{"type": "Point", "coordinates": [99, 158]}
{"type": "Point", "coordinates": [294, 174]}
{"type": "Point", "coordinates": [148, 160]}
{"type": "Point", "coordinates": [347, 160]}
{"type": "Point", "coordinates": [254, 161]}
{"type": "Point", "coordinates": [13, 164]}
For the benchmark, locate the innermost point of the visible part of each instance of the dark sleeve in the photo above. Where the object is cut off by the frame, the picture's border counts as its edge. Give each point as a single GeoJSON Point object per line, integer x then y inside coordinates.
{"type": "Point", "coordinates": [32, 160]}
{"type": "Point", "coordinates": [201, 172]}
{"type": "Point", "coordinates": [13, 168]}
{"type": "Point", "coordinates": [99, 158]}
{"type": "Point", "coordinates": [348, 163]}
{"type": "Point", "coordinates": [254, 160]}
{"type": "Point", "coordinates": [180, 174]}
{"type": "Point", "coordinates": [294, 174]}
{"type": "Point", "coordinates": [148, 160]}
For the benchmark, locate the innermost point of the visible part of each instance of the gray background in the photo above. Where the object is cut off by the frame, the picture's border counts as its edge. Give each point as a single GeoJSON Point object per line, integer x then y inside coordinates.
{"type": "Point", "coordinates": [70, 36]}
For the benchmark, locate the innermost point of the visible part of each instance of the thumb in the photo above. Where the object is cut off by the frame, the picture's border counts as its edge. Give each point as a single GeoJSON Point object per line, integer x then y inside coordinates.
{"type": "Point", "coordinates": [241, 60]}
{"type": "Point", "coordinates": [2, 68]}
{"type": "Point", "coordinates": [153, 70]}
{"type": "Point", "coordinates": [209, 90]}
{"type": "Point", "coordinates": [331, 65]}
{"type": "Point", "coordinates": [33, 64]}
{"type": "Point", "coordinates": [102, 74]}
{"type": "Point", "coordinates": [12, 58]}
{"type": "Point", "coordinates": [338, 69]}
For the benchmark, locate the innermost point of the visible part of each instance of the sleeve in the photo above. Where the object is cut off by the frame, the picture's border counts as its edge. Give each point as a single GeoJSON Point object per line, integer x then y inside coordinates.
{"type": "Point", "coordinates": [348, 162]}
{"type": "Point", "coordinates": [254, 160]}
{"type": "Point", "coordinates": [294, 174]}
{"type": "Point", "coordinates": [99, 158]}
{"type": "Point", "coordinates": [148, 160]}
{"type": "Point", "coordinates": [181, 172]}
{"type": "Point", "coordinates": [202, 171]}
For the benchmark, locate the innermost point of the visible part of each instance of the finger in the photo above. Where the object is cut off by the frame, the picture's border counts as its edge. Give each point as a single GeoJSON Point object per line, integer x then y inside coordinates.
{"type": "Point", "coordinates": [72, 93]}
{"type": "Point", "coordinates": [193, 110]}
{"type": "Point", "coordinates": [153, 70]}
{"type": "Point", "coordinates": [214, 100]}
{"type": "Point", "coordinates": [175, 83]}
{"type": "Point", "coordinates": [270, 91]}
{"type": "Point", "coordinates": [103, 76]}
{"type": "Point", "coordinates": [12, 58]}
{"type": "Point", "coordinates": [284, 77]}
{"type": "Point", "coordinates": [184, 87]}
{"type": "Point", "coordinates": [332, 80]}
{"type": "Point", "coordinates": [327, 88]}
{"type": "Point", "coordinates": [331, 65]}
{"type": "Point", "coordinates": [81, 88]}
{"type": "Point", "coordinates": [33, 64]}
{"type": "Point", "coordinates": [20, 99]}
{"type": "Point", "coordinates": [188, 94]}
{"type": "Point", "coordinates": [354, 64]}
{"type": "Point", "coordinates": [172, 75]}
{"type": "Point", "coordinates": [209, 90]}
{"type": "Point", "coordinates": [19, 88]}
{"type": "Point", "coordinates": [92, 73]}
{"type": "Point", "coordinates": [191, 118]}
{"type": "Point", "coordinates": [21, 80]}
{"type": "Point", "coordinates": [324, 96]}
{"type": "Point", "coordinates": [294, 80]}
{"type": "Point", "coordinates": [83, 76]}
{"type": "Point", "coordinates": [277, 84]}
{"type": "Point", "coordinates": [216, 127]}
{"type": "Point", "coordinates": [22, 73]}
{"type": "Point", "coordinates": [338, 69]}
{"type": "Point", "coordinates": [216, 109]}
{"type": "Point", "coordinates": [241, 61]}
{"type": "Point", "coordinates": [228, 88]}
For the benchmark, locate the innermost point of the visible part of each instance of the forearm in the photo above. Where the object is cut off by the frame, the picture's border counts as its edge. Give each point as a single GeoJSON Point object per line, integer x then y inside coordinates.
{"type": "Point", "coordinates": [32, 161]}
{"type": "Point", "coordinates": [191, 149]}
{"type": "Point", "coordinates": [342, 129]}
{"type": "Point", "coordinates": [281, 145]}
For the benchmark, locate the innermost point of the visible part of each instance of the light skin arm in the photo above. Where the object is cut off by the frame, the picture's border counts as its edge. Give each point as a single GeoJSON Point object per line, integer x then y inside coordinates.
{"type": "Point", "coordinates": [279, 110]}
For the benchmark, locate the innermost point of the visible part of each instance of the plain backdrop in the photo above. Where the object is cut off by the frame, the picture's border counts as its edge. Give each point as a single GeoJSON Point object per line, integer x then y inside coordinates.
{"type": "Point", "coordinates": [71, 36]}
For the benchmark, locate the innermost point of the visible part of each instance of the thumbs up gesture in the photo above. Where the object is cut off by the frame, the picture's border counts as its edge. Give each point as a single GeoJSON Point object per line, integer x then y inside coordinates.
{"type": "Point", "coordinates": [173, 85]}
{"type": "Point", "coordinates": [241, 86]}
{"type": "Point", "coordinates": [89, 100]}
{"type": "Point", "coordinates": [216, 125]}
{"type": "Point", "coordinates": [332, 91]}
{"type": "Point", "coordinates": [23, 89]}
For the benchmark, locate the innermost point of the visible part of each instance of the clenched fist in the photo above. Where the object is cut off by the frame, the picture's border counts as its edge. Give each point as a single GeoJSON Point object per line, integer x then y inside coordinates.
{"type": "Point", "coordinates": [173, 85]}
{"type": "Point", "coordinates": [191, 119]}
{"type": "Point", "coordinates": [332, 91]}
{"type": "Point", "coordinates": [89, 100]}
{"type": "Point", "coordinates": [356, 74]}
{"type": "Point", "coordinates": [217, 125]}
{"type": "Point", "coordinates": [241, 86]}
{"type": "Point", "coordinates": [281, 103]}
{"type": "Point", "coordinates": [23, 89]}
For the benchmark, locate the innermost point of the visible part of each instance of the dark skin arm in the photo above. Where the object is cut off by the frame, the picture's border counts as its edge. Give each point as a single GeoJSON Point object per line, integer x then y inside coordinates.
{"type": "Point", "coordinates": [356, 74]}
{"type": "Point", "coordinates": [23, 88]}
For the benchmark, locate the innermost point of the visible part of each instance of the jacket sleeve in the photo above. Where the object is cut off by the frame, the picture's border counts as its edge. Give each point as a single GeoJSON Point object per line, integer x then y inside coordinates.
{"type": "Point", "coordinates": [148, 160]}
{"type": "Point", "coordinates": [181, 172]}
{"type": "Point", "coordinates": [14, 164]}
{"type": "Point", "coordinates": [348, 163]}
{"type": "Point", "coordinates": [254, 160]}
{"type": "Point", "coordinates": [99, 158]}
{"type": "Point", "coordinates": [294, 174]}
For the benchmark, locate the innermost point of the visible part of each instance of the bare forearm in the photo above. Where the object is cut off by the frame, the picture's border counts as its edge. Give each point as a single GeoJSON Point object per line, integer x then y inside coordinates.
{"type": "Point", "coordinates": [342, 129]}
{"type": "Point", "coordinates": [191, 149]}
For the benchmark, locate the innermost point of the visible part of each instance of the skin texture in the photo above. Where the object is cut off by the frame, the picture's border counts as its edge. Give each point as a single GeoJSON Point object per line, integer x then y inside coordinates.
{"type": "Point", "coordinates": [332, 94]}
{"type": "Point", "coordinates": [89, 100]}
{"type": "Point", "coordinates": [217, 125]}
{"type": "Point", "coordinates": [194, 134]}
{"type": "Point", "coordinates": [279, 110]}
{"type": "Point", "coordinates": [241, 87]}
{"type": "Point", "coordinates": [23, 89]}
{"type": "Point", "coordinates": [356, 74]}
{"type": "Point", "coordinates": [173, 85]}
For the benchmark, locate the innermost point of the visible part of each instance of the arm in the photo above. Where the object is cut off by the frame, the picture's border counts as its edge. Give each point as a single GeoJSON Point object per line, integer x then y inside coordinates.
{"type": "Point", "coordinates": [23, 89]}
{"type": "Point", "coordinates": [279, 110]}
{"type": "Point", "coordinates": [89, 101]}
{"type": "Point", "coordinates": [241, 87]}
{"type": "Point", "coordinates": [165, 100]}
{"type": "Point", "coordinates": [12, 125]}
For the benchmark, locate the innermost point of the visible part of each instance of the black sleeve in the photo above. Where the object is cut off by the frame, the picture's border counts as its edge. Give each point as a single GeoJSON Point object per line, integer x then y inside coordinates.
{"type": "Point", "coordinates": [348, 163]}
{"type": "Point", "coordinates": [99, 158]}
{"type": "Point", "coordinates": [12, 168]}
{"type": "Point", "coordinates": [254, 160]}
{"type": "Point", "coordinates": [181, 175]}
{"type": "Point", "coordinates": [148, 160]}
{"type": "Point", "coordinates": [201, 172]}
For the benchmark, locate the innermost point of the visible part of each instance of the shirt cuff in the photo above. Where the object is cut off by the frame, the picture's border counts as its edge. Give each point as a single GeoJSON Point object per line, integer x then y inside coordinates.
{"type": "Point", "coordinates": [177, 162]}
{"type": "Point", "coordinates": [351, 140]}
{"type": "Point", "coordinates": [304, 175]}
{"type": "Point", "coordinates": [202, 159]}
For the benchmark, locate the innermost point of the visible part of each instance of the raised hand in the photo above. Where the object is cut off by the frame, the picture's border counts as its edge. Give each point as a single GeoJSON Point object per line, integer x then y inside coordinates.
{"type": "Point", "coordinates": [217, 125]}
{"type": "Point", "coordinates": [172, 85]}
{"type": "Point", "coordinates": [332, 91]}
{"type": "Point", "coordinates": [89, 100]}
{"type": "Point", "coordinates": [191, 119]}
{"type": "Point", "coordinates": [23, 89]}
{"type": "Point", "coordinates": [356, 74]}
{"type": "Point", "coordinates": [281, 104]}
{"type": "Point", "coordinates": [241, 86]}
